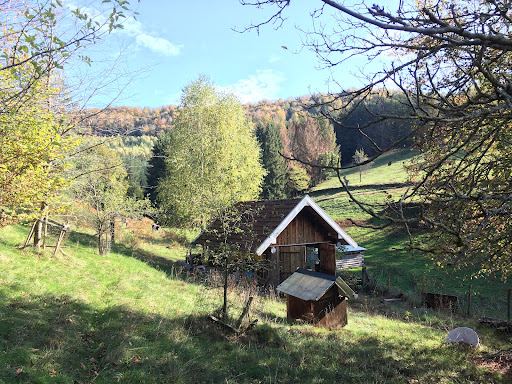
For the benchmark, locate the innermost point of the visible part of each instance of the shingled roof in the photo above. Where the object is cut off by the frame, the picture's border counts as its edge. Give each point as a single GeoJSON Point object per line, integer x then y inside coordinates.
{"type": "Point", "coordinates": [260, 222]}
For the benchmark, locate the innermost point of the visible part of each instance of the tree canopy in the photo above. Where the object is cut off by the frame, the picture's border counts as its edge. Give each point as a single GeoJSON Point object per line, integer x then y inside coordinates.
{"type": "Point", "coordinates": [35, 118]}
{"type": "Point", "coordinates": [213, 158]}
{"type": "Point", "coordinates": [31, 158]}
{"type": "Point", "coordinates": [101, 185]}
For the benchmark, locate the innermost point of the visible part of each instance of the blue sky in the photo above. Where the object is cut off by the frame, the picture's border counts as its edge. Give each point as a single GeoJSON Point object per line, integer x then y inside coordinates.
{"type": "Point", "coordinates": [172, 42]}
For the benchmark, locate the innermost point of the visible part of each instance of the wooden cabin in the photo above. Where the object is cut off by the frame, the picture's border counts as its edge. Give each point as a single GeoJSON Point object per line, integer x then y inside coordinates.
{"type": "Point", "coordinates": [288, 234]}
{"type": "Point", "coordinates": [316, 298]}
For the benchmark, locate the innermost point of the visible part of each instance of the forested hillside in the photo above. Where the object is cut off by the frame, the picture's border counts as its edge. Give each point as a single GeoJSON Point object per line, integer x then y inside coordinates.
{"type": "Point", "coordinates": [136, 121]}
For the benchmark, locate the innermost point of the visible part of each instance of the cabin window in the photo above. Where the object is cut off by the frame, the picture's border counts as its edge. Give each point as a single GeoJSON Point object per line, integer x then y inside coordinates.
{"type": "Point", "coordinates": [312, 258]}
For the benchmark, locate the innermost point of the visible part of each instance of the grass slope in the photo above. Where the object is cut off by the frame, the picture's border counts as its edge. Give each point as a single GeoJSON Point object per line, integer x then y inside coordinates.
{"type": "Point", "coordinates": [387, 251]}
{"type": "Point", "coordinates": [131, 318]}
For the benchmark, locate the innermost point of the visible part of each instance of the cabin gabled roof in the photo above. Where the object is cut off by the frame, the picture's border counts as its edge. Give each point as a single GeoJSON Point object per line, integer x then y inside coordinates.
{"type": "Point", "coordinates": [261, 222]}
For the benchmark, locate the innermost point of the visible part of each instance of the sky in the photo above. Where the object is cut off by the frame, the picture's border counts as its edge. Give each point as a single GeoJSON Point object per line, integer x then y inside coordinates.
{"type": "Point", "coordinates": [172, 42]}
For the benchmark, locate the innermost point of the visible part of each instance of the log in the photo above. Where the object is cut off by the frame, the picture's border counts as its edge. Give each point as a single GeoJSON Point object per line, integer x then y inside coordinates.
{"type": "Point", "coordinates": [225, 325]}
{"type": "Point", "coordinates": [495, 323]}
{"type": "Point", "coordinates": [244, 312]}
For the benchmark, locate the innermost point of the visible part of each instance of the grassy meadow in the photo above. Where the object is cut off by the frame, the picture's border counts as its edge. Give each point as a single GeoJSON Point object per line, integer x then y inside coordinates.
{"type": "Point", "coordinates": [387, 251]}
{"type": "Point", "coordinates": [134, 317]}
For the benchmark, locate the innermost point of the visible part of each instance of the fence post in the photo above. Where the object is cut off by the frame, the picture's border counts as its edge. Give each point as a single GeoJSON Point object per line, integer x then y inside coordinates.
{"type": "Point", "coordinates": [45, 230]}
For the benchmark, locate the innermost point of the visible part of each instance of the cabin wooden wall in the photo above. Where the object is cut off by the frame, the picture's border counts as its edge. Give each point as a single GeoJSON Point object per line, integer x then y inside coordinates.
{"type": "Point", "coordinates": [328, 258]}
{"type": "Point", "coordinates": [291, 258]}
{"type": "Point", "coordinates": [291, 251]}
{"type": "Point", "coordinates": [302, 230]}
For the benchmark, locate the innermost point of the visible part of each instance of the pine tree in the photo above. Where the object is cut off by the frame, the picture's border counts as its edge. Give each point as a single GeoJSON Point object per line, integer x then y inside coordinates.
{"type": "Point", "coordinates": [274, 182]}
{"type": "Point", "coordinates": [156, 165]}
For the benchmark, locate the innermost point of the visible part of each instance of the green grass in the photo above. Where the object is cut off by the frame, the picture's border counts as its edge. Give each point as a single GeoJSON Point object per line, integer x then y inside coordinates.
{"type": "Point", "coordinates": [386, 170]}
{"type": "Point", "coordinates": [411, 271]}
{"type": "Point", "coordinates": [131, 317]}
{"type": "Point", "coordinates": [380, 182]}
{"type": "Point", "coordinates": [387, 250]}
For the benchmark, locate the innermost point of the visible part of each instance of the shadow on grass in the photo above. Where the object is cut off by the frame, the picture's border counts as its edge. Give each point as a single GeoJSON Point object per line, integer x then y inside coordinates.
{"type": "Point", "coordinates": [49, 339]}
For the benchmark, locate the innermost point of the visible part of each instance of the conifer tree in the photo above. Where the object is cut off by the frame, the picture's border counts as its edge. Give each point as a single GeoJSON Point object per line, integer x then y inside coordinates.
{"type": "Point", "coordinates": [274, 182]}
{"type": "Point", "coordinates": [156, 165]}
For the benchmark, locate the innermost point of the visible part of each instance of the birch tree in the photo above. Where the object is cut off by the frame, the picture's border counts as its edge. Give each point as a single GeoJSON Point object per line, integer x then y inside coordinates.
{"type": "Point", "coordinates": [212, 159]}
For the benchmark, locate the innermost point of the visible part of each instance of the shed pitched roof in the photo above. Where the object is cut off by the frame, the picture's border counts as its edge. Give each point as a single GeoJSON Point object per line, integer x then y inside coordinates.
{"type": "Point", "coordinates": [259, 223]}
{"type": "Point", "coordinates": [309, 285]}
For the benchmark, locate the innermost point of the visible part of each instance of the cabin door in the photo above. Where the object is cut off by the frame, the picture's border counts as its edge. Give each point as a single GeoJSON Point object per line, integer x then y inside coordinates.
{"type": "Point", "coordinates": [291, 258]}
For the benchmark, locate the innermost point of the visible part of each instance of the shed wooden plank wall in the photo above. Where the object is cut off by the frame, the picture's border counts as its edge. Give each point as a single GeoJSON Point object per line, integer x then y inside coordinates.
{"type": "Point", "coordinates": [302, 230]}
{"type": "Point", "coordinates": [291, 258]}
{"type": "Point", "coordinates": [298, 308]}
{"type": "Point", "coordinates": [328, 258]}
{"type": "Point", "coordinates": [336, 318]}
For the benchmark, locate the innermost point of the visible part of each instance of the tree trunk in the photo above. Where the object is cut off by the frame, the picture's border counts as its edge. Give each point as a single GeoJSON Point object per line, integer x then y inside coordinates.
{"type": "Point", "coordinates": [225, 303]}
{"type": "Point", "coordinates": [45, 234]}
{"type": "Point", "coordinates": [37, 234]}
{"type": "Point", "coordinates": [112, 231]}
{"type": "Point", "coordinates": [39, 229]}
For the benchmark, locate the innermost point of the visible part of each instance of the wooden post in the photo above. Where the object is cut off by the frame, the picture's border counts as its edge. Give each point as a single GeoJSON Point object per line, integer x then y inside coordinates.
{"type": "Point", "coordinates": [469, 299]}
{"type": "Point", "coordinates": [45, 230]}
{"type": "Point", "coordinates": [364, 276]}
{"type": "Point", "coordinates": [244, 312]}
{"type": "Point", "coordinates": [57, 247]}
{"type": "Point", "coordinates": [30, 234]}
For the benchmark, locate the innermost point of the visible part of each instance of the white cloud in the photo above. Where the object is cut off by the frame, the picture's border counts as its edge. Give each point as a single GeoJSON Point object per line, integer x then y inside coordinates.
{"type": "Point", "coordinates": [265, 85]}
{"type": "Point", "coordinates": [157, 44]}
{"type": "Point", "coordinates": [134, 29]}
{"type": "Point", "coordinates": [160, 45]}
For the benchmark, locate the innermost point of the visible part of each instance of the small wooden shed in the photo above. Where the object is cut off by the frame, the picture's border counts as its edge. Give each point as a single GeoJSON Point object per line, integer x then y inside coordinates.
{"type": "Point", "coordinates": [317, 298]}
{"type": "Point", "coordinates": [288, 234]}
{"type": "Point", "coordinates": [353, 257]}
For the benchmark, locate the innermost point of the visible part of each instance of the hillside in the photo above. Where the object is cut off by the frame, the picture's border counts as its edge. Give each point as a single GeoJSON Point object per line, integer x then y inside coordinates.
{"type": "Point", "coordinates": [387, 250]}
{"type": "Point", "coordinates": [132, 317]}
{"type": "Point", "coordinates": [135, 121]}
